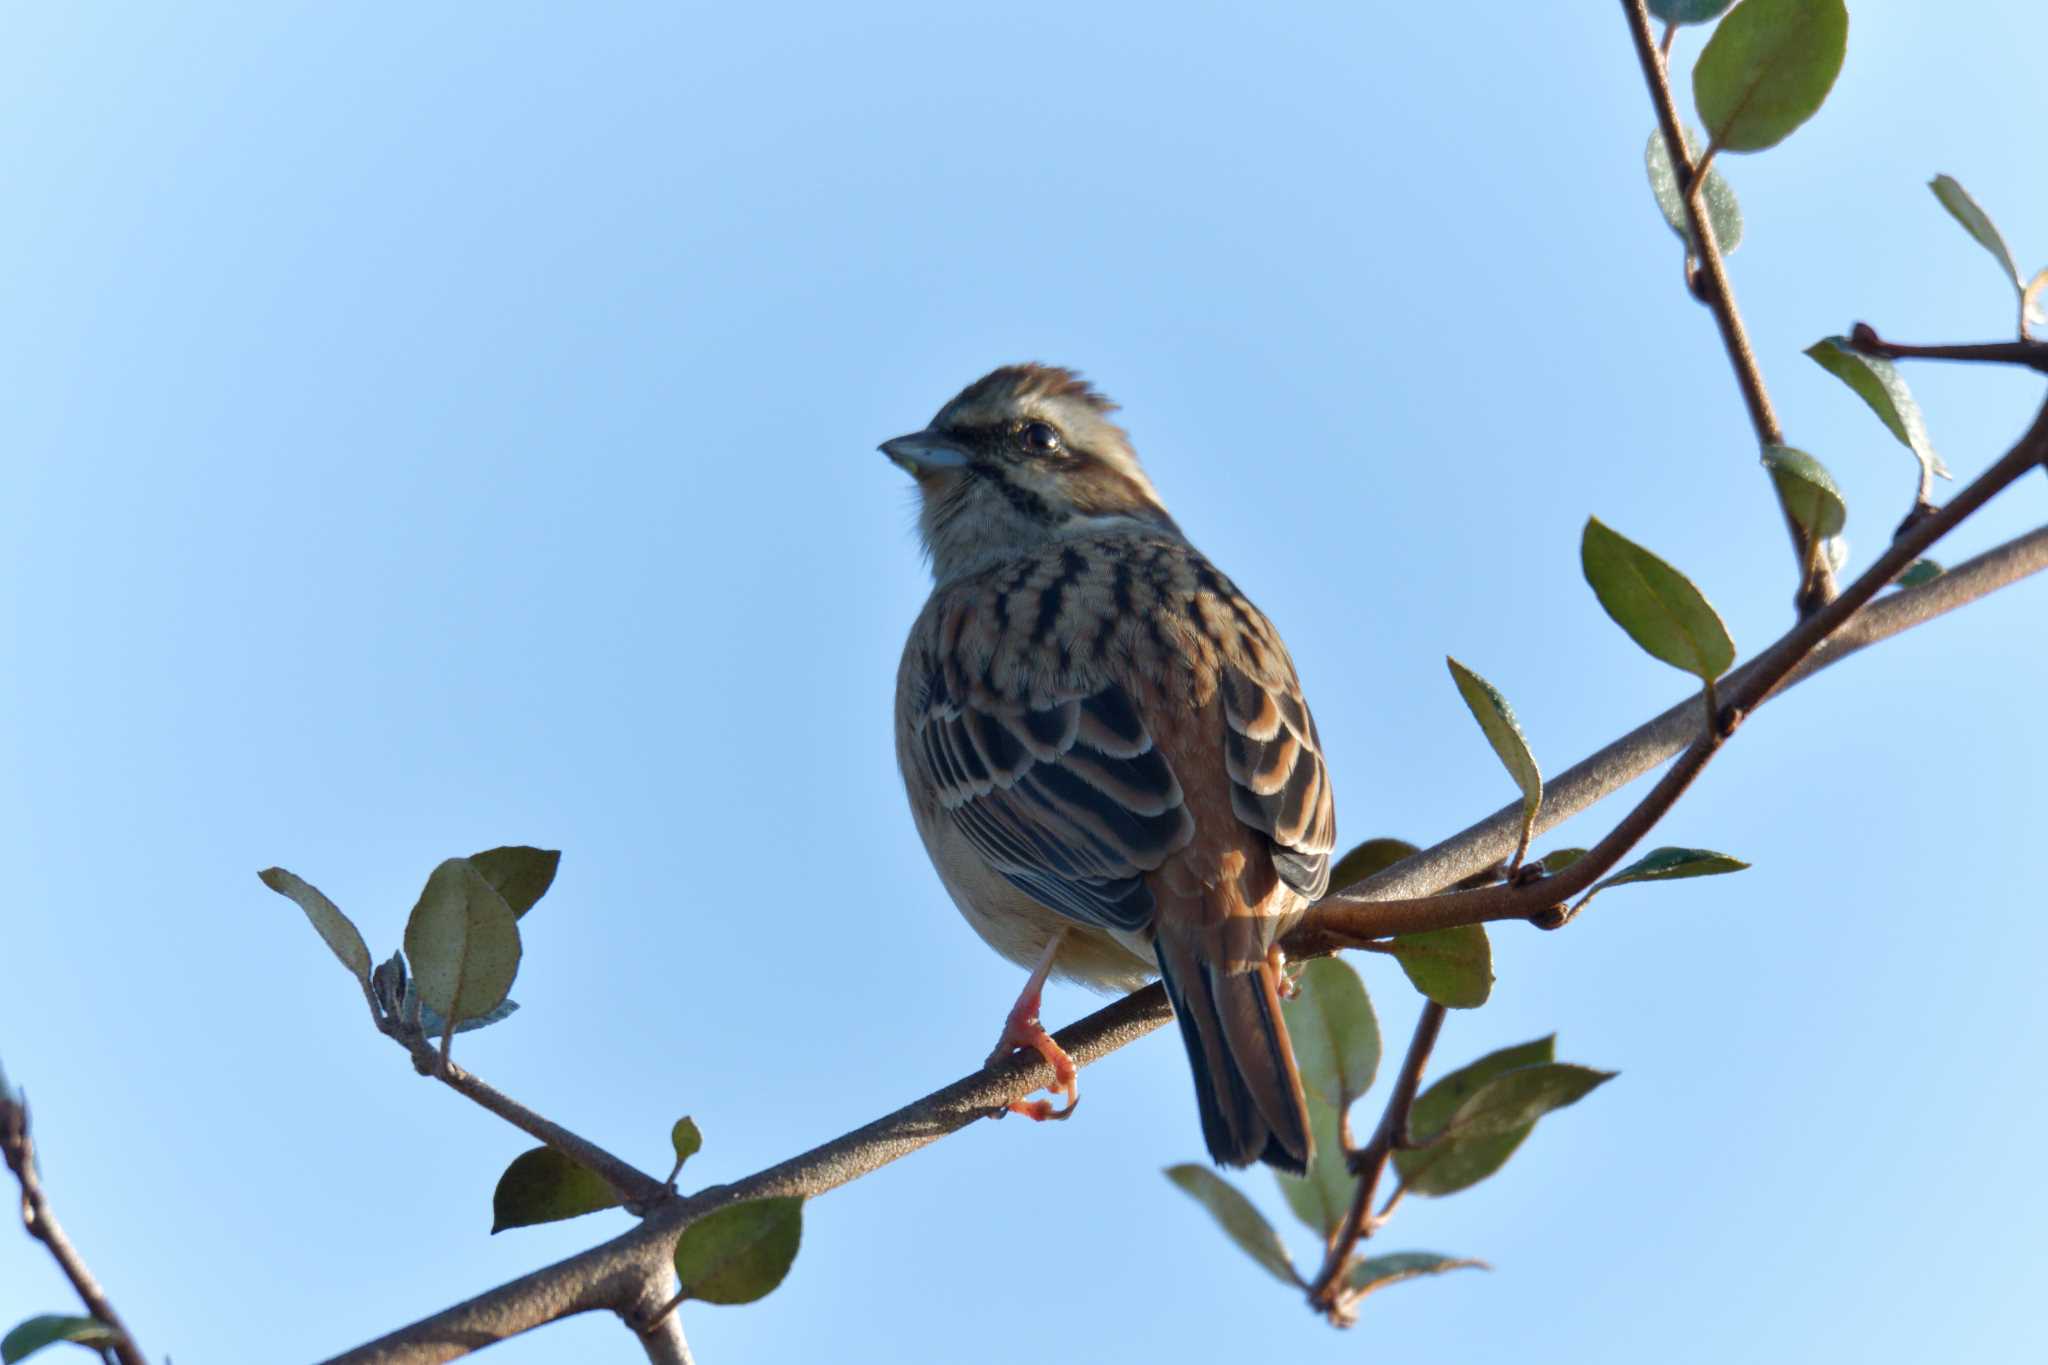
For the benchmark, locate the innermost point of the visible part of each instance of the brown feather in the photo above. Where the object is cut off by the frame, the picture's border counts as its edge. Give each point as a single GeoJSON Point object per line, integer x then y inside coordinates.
{"type": "Point", "coordinates": [1105, 743]}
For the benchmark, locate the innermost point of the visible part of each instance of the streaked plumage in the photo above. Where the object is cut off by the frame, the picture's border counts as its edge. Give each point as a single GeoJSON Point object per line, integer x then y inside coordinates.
{"type": "Point", "coordinates": [1104, 741]}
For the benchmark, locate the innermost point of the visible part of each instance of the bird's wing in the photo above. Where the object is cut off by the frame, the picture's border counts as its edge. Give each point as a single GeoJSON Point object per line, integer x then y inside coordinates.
{"type": "Point", "coordinates": [1066, 796]}
{"type": "Point", "coordinates": [1278, 784]}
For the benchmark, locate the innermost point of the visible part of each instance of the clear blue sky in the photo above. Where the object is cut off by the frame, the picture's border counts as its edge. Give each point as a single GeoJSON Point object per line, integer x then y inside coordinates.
{"type": "Point", "coordinates": [430, 427]}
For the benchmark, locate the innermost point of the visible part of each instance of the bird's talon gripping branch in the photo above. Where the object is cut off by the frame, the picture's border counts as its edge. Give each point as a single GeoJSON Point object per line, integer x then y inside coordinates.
{"type": "Point", "coordinates": [1028, 1035]}
{"type": "Point", "coordinates": [1022, 1032]}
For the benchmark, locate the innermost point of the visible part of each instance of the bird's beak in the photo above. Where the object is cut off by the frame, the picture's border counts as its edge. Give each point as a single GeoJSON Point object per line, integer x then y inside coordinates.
{"type": "Point", "coordinates": [924, 453]}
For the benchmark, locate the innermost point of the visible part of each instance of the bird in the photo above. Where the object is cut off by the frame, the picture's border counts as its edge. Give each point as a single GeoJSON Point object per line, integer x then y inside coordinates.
{"type": "Point", "coordinates": [1106, 747]}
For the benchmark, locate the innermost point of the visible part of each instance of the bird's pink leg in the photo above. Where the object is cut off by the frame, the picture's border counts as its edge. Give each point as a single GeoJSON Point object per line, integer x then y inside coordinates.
{"type": "Point", "coordinates": [1022, 1030]}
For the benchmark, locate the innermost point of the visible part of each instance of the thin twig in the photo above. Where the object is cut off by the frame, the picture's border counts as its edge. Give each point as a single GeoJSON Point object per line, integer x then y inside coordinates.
{"type": "Point", "coordinates": [611, 1274]}
{"type": "Point", "coordinates": [633, 1185]}
{"type": "Point", "coordinates": [1715, 290]}
{"type": "Point", "coordinates": [1369, 1163]}
{"type": "Point", "coordinates": [19, 1150]}
{"type": "Point", "coordinates": [2032, 354]}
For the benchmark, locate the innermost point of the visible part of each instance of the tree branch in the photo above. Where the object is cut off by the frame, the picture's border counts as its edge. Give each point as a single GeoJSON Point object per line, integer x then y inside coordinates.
{"type": "Point", "coordinates": [617, 1271]}
{"type": "Point", "coordinates": [1369, 1163]}
{"type": "Point", "coordinates": [1713, 288]}
{"type": "Point", "coordinates": [19, 1150]}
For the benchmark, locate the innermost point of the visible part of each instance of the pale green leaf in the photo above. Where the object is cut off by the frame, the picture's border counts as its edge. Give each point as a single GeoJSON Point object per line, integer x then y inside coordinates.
{"type": "Point", "coordinates": [1807, 490]}
{"type": "Point", "coordinates": [520, 874]}
{"type": "Point", "coordinates": [1321, 1197]}
{"type": "Point", "coordinates": [1448, 1165]}
{"type": "Point", "coordinates": [1878, 383]}
{"type": "Point", "coordinates": [1717, 196]}
{"type": "Point", "coordinates": [1377, 1272]}
{"type": "Point", "coordinates": [1918, 572]}
{"type": "Point", "coordinates": [1336, 1036]}
{"type": "Point", "coordinates": [339, 932]}
{"type": "Point", "coordinates": [1656, 604]}
{"type": "Point", "coordinates": [1767, 69]}
{"type": "Point", "coordinates": [1976, 222]}
{"type": "Point", "coordinates": [686, 1139]}
{"type": "Point", "coordinates": [1672, 864]}
{"type": "Point", "coordinates": [47, 1329]}
{"type": "Point", "coordinates": [741, 1252]}
{"type": "Point", "coordinates": [543, 1186]}
{"type": "Point", "coordinates": [1514, 1099]}
{"type": "Point", "coordinates": [462, 941]}
{"type": "Point", "coordinates": [1453, 967]}
{"type": "Point", "coordinates": [1497, 722]}
{"type": "Point", "coordinates": [1688, 11]}
{"type": "Point", "coordinates": [1234, 1213]}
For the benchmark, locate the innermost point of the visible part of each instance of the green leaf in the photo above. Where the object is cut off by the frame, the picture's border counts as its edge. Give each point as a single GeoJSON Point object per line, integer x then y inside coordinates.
{"type": "Point", "coordinates": [520, 874]}
{"type": "Point", "coordinates": [1558, 859]}
{"type": "Point", "coordinates": [1450, 1165]}
{"type": "Point", "coordinates": [343, 939]}
{"type": "Point", "coordinates": [1336, 1037]}
{"type": "Point", "coordinates": [1688, 11]}
{"type": "Point", "coordinates": [1877, 382]}
{"type": "Point", "coordinates": [1717, 196]}
{"type": "Point", "coordinates": [1672, 864]}
{"type": "Point", "coordinates": [1767, 69]}
{"type": "Point", "coordinates": [1244, 1224]}
{"type": "Point", "coordinates": [1656, 604]}
{"type": "Point", "coordinates": [739, 1253]}
{"type": "Point", "coordinates": [543, 1186]}
{"type": "Point", "coordinates": [1807, 490]}
{"type": "Point", "coordinates": [1374, 855]}
{"type": "Point", "coordinates": [1322, 1197]}
{"type": "Point", "coordinates": [1377, 1272]}
{"type": "Point", "coordinates": [686, 1139]}
{"type": "Point", "coordinates": [1918, 572]}
{"type": "Point", "coordinates": [2034, 301]}
{"type": "Point", "coordinates": [1976, 222]}
{"type": "Point", "coordinates": [49, 1328]}
{"type": "Point", "coordinates": [1497, 721]}
{"type": "Point", "coordinates": [463, 942]}
{"type": "Point", "coordinates": [1515, 1099]}
{"type": "Point", "coordinates": [1453, 967]}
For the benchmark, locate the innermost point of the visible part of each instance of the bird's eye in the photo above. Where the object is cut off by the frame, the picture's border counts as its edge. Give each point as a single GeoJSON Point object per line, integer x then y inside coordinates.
{"type": "Point", "coordinates": [1041, 438]}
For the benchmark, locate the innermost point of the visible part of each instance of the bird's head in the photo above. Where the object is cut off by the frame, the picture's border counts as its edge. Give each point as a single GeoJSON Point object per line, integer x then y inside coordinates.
{"type": "Point", "coordinates": [1023, 457]}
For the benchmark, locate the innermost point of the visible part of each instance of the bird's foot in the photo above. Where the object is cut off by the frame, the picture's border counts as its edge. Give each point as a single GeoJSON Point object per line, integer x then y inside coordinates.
{"type": "Point", "coordinates": [1023, 1033]}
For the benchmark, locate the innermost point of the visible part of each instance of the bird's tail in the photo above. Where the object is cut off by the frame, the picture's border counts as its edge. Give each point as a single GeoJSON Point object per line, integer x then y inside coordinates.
{"type": "Point", "coordinates": [1245, 1079]}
